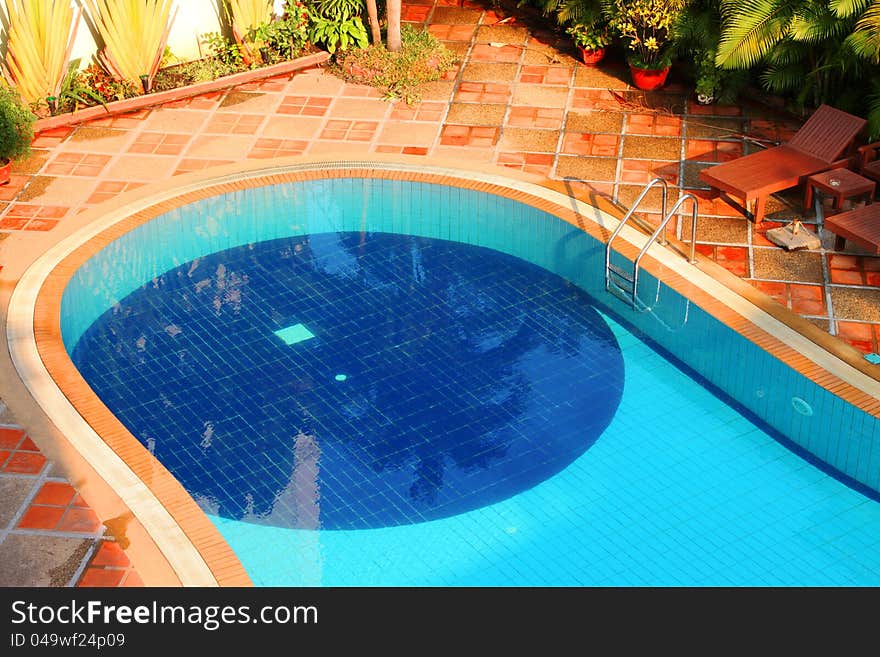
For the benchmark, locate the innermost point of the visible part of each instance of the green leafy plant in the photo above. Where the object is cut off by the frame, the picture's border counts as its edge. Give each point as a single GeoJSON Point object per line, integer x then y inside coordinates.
{"type": "Point", "coordinates": [421, 58]}
{"type": "Point", "coordinates": [106, 86]}
{"type": "Point", "coordinates": [76, 91]}
{"type": "Point", "coordinates": [39, 39]}
{"type": "Point", "coordinates": [594, 36]}
{"type": "Point", "coordinates": [339, 34]}
{"type": "Point", "coordinates": [133, 34]}
{"type": "Point", "coordinates": [646, 27]}
{"type": "Point", "coordinates": [809, 51]}
{"type": "Point", "coordinates": [285, 37]}
{"type": "Point", "coordinates": [337, 24]}
{"type": "Point", "coordinates": [225, 52]}
{"type": "Point", "coordinates": [16, 124]}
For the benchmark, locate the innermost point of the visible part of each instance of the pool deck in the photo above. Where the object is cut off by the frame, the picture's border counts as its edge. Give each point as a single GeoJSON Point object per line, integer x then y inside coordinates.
{"type": "Point", "coordinates": [518, 99]}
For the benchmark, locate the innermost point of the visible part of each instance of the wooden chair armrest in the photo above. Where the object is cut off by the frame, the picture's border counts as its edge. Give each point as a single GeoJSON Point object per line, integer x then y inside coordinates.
{"type": "Point", "coordinates": [868, 152]}
{"type": "Point", "coordinates": [843, 163]}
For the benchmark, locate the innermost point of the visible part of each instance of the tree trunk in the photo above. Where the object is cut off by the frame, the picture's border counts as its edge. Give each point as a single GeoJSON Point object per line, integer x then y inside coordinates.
{"type": "Point", "coordinates": [393, 14]}
{"type": "Point", "coordinates": [373, 16]}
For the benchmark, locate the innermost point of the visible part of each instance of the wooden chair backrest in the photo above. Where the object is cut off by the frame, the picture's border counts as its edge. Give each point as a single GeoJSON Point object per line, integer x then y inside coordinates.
{"type": "Point", "coordinates": [827, 133]}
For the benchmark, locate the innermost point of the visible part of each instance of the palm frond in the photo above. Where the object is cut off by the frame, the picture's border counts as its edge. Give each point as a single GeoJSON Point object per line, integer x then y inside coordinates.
{"type": "Point", "coordinates": [847, 8]}
{"type": "Point", "coordinates": [873, 107]}
{"type": "Point", "coordinates": [749, 30]}
{"type": "Point", "coordinates": [815, 24]}
{"type": "Point", "coordinates": [783, 79]}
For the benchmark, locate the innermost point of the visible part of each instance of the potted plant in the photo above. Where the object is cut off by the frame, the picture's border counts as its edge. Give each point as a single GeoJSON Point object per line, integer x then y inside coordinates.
{"type": "Point", "coordinates": [646, 25]}
{"type": "Point", "coordinates": [16, 130]}
{"type": "Point", "coordinates": [708, 79]}
{"type": "Point", "coordinates": [591, 39]}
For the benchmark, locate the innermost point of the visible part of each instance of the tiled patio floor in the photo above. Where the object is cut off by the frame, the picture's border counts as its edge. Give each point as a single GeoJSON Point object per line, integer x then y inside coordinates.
{"type": "Point", "coordinates": [517, 99]}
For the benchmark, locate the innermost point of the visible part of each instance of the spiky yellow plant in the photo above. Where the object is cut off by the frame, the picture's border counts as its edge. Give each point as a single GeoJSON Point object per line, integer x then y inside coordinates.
{"type": "Point", "coordinates": [244, 17]}
{"type": "Point", "coordinates": [134, 35]}
{"type": "Point", "coordinates": [40, 38]}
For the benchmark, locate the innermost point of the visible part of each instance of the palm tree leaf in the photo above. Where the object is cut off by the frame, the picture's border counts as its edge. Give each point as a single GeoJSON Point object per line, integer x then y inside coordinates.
{"type": "Point", "coordinates": [749, 30]}
{"type": "Point", "coordinates": [815, 24]}
{"type": "Point", "coordinates": [847, 8]}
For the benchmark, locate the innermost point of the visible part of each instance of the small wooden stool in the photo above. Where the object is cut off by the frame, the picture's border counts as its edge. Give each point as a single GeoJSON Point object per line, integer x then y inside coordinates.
{"type": "Point", "coordinates": [840, 184]}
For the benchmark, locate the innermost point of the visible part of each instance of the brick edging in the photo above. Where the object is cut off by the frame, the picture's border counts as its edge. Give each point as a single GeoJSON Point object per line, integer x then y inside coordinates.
{"type": "Point", "coordinates": [160, 98]}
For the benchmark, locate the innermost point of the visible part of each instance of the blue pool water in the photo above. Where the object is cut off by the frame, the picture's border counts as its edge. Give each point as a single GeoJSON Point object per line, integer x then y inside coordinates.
{"type": "Point", "coordinates": [354, 380]}
{"type": "Point", "coordinates": [368, 382]}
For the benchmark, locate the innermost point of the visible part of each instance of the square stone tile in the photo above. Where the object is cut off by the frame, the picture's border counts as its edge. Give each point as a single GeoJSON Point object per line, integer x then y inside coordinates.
{"type": "Point", "coordinates": [488, 72]}
{"type": "Point", "coordinates": [655, 148]}
{"type": "Point", "coordinates": [246, 102]}
{"type": "Point", "coordinates": [438, 90]}
{"type": "Point", "coordinates": [13, 491]}
{"type": "Point", "coordinates": [99, 139]}
{"type": "Point", "coordinates": [715, 230]}
{"type": "Point", "coordinates": [140, 168]}
{"type": "Point", "coordinates": [605, 76]}
{"type": "Point", "coordinates": [230, 147]}
{"type": "Point", "coordinates": [174, 120]}
{"type": "Point", "coordinates": [712, 127]}
{"type": "Point", "coordinates": [409, 133]}
{"type": "Point", "coordinates": [291, 127]}
{"type": "Point", "coordinates": [780, 265]}
{"type": "Point", "coordinates": [594, 121]}
{"type": "Point", "coordinates": [476, 113]}
{"type": "Point", "coordinates": [541, 141]}
{"type": "Point", "coordinates": [502, 34]}
{"type": "Point", "coordinates": [539, 95]}
{"type": "Point", "coordinates": [587, 168]}
{"type": "Point", "coordinates": [41, 560]}
{"type": "Point", "coordinates": [454, 16]}
{"type": "Point", "coordinates": [855, 303]}
{"type": "Point", "coordinates": [627, 195]}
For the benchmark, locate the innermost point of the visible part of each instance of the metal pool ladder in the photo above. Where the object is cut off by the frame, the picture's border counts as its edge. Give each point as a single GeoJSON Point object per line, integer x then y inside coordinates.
{"type": "Point", "coordinates": [624, 283]}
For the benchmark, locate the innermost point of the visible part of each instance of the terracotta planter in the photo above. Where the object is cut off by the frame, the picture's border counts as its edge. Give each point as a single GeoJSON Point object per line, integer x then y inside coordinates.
{"type": "Point", "coordinates": [648, 79]}
{"type": "Point", "coordinates": [592, 57]}
{"type": "Point", "coordinates": [5, 171]}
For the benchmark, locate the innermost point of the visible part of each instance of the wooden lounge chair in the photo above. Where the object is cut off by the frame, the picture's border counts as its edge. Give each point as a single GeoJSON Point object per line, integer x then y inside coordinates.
{"type": "Point", "coordinates": [861, 226]}
{"type": "Point", "coordinates": [869, 162]}
{"type": "Point", "coordinates": [816, 147]}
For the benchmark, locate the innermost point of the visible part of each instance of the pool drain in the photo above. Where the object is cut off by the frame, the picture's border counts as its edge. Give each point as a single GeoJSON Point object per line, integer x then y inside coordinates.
{"type": "Point", "coordinates": [801, 406]}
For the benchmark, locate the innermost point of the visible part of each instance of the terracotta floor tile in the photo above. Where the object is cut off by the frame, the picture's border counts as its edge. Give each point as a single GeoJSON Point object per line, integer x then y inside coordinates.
{"type": "Point", "coordinates": [101, 577]}
{"type": "Point", "coordinates": [25, 463]}
{"type": "Point", "coordinates": [80, 520]}
{"type": "Point", "coordinates": [41, 517]}
{"type": "Point", "coordinates": [10, 438]}
{"type": "Point", "coordinates": [55, 493]}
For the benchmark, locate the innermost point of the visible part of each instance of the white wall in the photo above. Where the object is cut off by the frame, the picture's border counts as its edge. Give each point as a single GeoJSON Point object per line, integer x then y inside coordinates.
{"type": "Point", "coordinates": [194, 18]}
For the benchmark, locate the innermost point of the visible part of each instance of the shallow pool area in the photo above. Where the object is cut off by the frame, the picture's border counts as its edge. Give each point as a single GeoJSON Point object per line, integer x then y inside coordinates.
{"type": "Point", "coordinates": [663, 447]}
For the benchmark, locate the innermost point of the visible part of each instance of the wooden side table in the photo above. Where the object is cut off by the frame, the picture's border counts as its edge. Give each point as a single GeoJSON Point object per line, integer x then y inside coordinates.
{"type": "Point", "coordinates": [840, 184]}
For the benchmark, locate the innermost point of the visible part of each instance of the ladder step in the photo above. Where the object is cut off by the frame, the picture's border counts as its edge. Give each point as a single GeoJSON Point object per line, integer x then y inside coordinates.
{"type": "Point", "coordinates": [625, 275]}
{"type": "Point", "coordinates": [621, 293]}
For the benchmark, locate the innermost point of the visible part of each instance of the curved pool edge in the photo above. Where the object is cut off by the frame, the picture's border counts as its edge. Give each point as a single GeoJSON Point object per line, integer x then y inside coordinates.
{"type": "Point", "coordinates": [194, 549]}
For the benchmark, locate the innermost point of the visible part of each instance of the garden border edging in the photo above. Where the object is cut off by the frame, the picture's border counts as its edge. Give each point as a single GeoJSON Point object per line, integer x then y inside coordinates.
{"type": "Point", "coordinates": [149, 100]}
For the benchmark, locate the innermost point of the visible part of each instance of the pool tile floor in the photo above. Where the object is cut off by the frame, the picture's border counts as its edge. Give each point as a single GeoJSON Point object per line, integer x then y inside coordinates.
{"type": "Point", "coordinates": [518, 98]}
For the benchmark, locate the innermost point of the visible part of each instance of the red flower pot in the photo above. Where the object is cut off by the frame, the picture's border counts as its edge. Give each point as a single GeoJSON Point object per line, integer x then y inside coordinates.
{"type": "Point", "coordinates": [592, 57]}
{"type": "Point", "coordinates": [648, 79]}
{"type": "Point", "coordinates": [5, 171]}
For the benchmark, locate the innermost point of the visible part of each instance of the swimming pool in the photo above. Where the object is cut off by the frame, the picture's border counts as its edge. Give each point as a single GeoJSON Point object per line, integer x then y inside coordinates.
{"type": "Point", "coordinates": [680, 486]}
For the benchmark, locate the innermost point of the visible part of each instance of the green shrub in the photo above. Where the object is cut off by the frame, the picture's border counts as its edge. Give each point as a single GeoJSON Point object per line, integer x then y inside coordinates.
{"type": "Point", "coordinates": [16, 125]}
{"type": "Point", "coordinates": [422, 58]}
